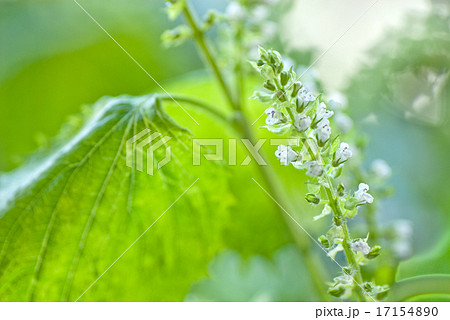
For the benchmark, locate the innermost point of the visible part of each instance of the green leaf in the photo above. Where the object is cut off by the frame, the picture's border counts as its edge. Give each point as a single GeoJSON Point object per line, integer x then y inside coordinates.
{"type": "Point", "coordinates": [232, 278]}
{"type": "Point", "coordinates": [279, 128]}
{"type": "Point", "coordinates": [313, 187]}
{"type": "Point", "coordinates": [311, 109]}
{"type": "Point", "coordinates": [267, 72]}
{"type": "Point", "coordinates": [419, 286]}
{"type": "Point", "coordinates": [436, 261]}
{"type": "Point", "coordinates": [425, 274]}
{"type": "Point", "coordinates": [69, 213]}
{"type": "Point", "coordinates": [335, 145]}
{"type": "Point", "coordinates": [351, 213]}
{"type": "Point", "coordinates": [325, 212]}
{"type": "Point", "coordinates": [261, 96]}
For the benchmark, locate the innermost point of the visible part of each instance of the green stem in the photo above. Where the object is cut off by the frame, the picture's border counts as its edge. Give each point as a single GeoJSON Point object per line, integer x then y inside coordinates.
{"type": "Point", "coordinates": [239, 76]}
{"type": "Point", "coordinates": [207, 53]}
{"type": "Point", "coordinates": [245, 131]}
{"type": "Point", "coordinates": [371, 222]}
{"type": "Point", "coordinates": [333, 202]}
{"type": "Point", "coordinates": [195, 102]}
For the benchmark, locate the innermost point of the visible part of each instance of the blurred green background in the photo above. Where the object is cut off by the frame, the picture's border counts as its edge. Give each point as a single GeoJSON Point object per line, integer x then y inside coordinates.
{"type": "Point", "coordinates": [54, 59]}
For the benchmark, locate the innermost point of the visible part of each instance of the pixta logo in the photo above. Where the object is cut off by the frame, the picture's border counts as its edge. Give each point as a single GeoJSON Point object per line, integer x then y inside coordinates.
{"type": "Point", "coordinates": [135, 155]}
{"type": "Point", "coordinates": [218, 145]}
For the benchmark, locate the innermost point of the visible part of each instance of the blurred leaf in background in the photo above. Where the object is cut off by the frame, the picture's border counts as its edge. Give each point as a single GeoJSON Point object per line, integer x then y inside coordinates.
{"type": "Point", "coordinates": [232, 278]}
{"type": "Point", "coordinates": [54, 58]}
{"type": "Point", "coordinates": [401, 99]}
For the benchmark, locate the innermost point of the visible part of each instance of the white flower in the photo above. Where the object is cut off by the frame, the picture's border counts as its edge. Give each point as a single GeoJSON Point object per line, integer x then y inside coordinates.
{"type": "Point", "coordinates": [286, 154]}
{"type": "Point", "coordinates": [402, 245]}
{"type": "Point", "coordinates": [402, 249]}
{"type": "Point", "coordinates": [235, 11]}
{"type": "Point", "coordinates": [269, 29]}
{"type": "Point", "coordinates": [313, 168]}
{"type": "Point", "coordinates": [309, 97]}
{"type": "Point", "coordinates": [403, 229]}
{"type": "Point", "coordinates": [302, 122]}
{"type": "Point", "coordinates": [273, 116]}
{"type": "Point", "coordinates": [338, 101]}
{"type": "Point", "coordinates": [322, 112]}
{"type": "Point", "coordinates": [381, 169]}
{"type": "Point", "coordinates": [323, 130]}
{"type": "Point", "coordinates": [343, 122]}
{"type": "Point", "coordinates": [260, 13]}
{"type": "Point", "coordinates": [343, 153]}
{"type": "Point", "coordinates": [362, 246]}
{"type": "Point", "coordinates": [362, 195]}
{"type": "Point", "coordinates": [305, 95]}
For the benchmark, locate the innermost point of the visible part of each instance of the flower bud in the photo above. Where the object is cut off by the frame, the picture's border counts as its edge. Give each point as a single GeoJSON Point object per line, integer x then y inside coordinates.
{"type": "Point", "coordinates": [312, 198]}
{"type": "Point", "coordinates": [337, 221]}
{"type": "Point", "coordinates": [324, 241]}
{"type": "Point", "coordinates": [210, 19]}
{"type": "Point", "coordinates": [295, 88]}
{"type": "Point", "coordinates": [269, 86]}
{"type": "Point", "coordinates": [367, 286]}
{"type": "Point", "coordinates": [299, 105]}
{"type": "Point", "coordinates": [272, 59]}
{"type": "Point", "coordinates": [281, 96]}
{"type": "Point", "coordinates": [280, 67]}
{"type": "Point", "coordinates": [284, 78]}
{"type": "Point", "coordinates": [374, 252]}
{"type": "Point", "coordinates": [336, 291]}
{"type": "Point", "coordinates": [264, 55]}
{"type": "Point", "coordinates": [347, 270]}
{"type": "Point", "coordinates": [340, 189]}
{"type": "Point", "coordinates": [176, 37]}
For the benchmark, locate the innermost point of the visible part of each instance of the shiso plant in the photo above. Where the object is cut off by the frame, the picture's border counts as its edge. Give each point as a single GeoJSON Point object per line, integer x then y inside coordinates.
{"type": "Point", "coordinates": [308, 119]}
{"type": "Point", "coordinates": [300, 115]}
{"type": "Point", "coordinates": [83, 189]}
